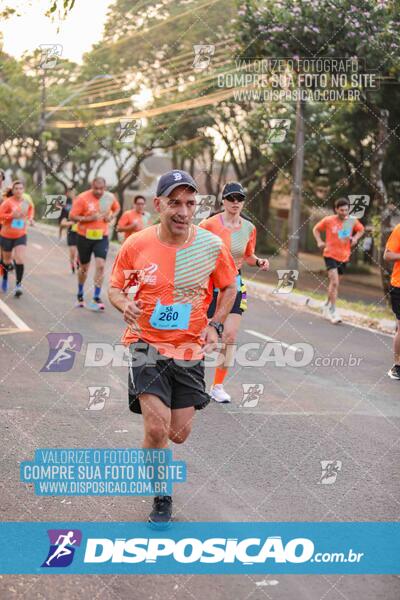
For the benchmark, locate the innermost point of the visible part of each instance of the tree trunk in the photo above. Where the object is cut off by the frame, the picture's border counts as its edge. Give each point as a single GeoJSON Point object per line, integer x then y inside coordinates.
{"type": "Point", "coordinates": [295, 210]}
{"type": "Point", "coordinates": [380, 195]}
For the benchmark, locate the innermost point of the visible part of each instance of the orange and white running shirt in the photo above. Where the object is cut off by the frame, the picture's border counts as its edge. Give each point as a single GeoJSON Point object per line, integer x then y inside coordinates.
{"type": "Point", "coordinates": [337, 236]}
{"type": "Point", "coordinates": [241, 243]}
{"type": "Point", "coordinates": [15, 227]}
{"type": "Point", "coordinates": [393, 244]}
{"type": "Point", "coordinates": [87, 204]}
{"type": "Point", "coordinates": [175, 287]}
{"type": "Point", "coordinates": [130, 217]}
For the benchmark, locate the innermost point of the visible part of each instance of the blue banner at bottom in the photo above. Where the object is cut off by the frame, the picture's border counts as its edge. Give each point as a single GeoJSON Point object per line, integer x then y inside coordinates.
{"type": "Point", "coordinates": [200, 548]}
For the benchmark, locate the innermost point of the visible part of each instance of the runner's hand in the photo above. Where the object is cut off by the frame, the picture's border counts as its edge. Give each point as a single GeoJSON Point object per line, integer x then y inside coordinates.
{"type": "Point", "coordinates": [210, 339]}
{"type": "Point", "coordinates": [321, 244]}
{"type": "Point", "coordinates": [132, 311]}
{"type": "Point", "coordinates": [353, 242]}
{"type": "Point", "coordinates": [263, 264]}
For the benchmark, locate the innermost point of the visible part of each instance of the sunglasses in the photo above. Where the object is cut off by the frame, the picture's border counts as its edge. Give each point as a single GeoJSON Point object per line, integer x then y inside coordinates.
{"type": "Point", "coordinates": [233, 197]}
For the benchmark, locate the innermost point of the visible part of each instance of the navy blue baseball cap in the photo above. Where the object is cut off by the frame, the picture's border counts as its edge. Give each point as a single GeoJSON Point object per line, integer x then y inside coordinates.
{"type": "Point", "coordinates": [233, 187]}
{"type": "Point", "coordinates": [173, 179]}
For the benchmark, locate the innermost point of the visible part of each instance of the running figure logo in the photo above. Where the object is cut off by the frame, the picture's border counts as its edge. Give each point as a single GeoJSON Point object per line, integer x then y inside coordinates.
{"type": "Point", "coordinates": [202, 56]}
{"type": "Point", "coordinates": [54, 206]}
{"type": "Point", "coordinates": [128, 129]}
{"type": "Point", "coordinates": [358, 205]}
{"type": "Point", "coordinates": [49, 55]}
{"type": "Point", "coordinates": [252, 393]}
{"type": "Point", "coordinates": [63, 347]}
{"type": "Point", "coordinates": [330, 470]}
{"type": "Point", "coordinates": [62, 547]}
{"type": "Point", "coordinates": [204, 205]}
{"type": "Point", "coordinates": [278, 129]}
{"type": "Point", "coordinates": [97, 397]}
{"type": "Point", "coordinates": [286, 281]}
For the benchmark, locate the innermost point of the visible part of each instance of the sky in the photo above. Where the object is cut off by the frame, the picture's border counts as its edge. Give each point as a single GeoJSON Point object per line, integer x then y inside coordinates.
{"type": "Point", "coordinates": [82, 28]}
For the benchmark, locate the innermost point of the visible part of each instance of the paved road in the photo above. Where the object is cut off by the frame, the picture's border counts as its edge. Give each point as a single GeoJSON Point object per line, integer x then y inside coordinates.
{"type": "Point", "coordinates": [244, 464]}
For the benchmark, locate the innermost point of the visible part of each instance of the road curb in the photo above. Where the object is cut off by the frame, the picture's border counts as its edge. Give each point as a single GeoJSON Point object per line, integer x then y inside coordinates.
{"type": "Point", "coordinates": [266, 292]}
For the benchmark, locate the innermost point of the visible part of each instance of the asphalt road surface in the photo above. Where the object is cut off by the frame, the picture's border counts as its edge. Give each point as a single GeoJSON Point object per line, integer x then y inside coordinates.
{"type": "Point", "coordinates": [259, 462]}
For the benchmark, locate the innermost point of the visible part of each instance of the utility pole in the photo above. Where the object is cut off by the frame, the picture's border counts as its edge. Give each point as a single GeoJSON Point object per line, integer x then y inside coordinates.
{"type": "Point", "coordinates": [41, 175]}
{"type": "Point", "coordinates": [298, 167]}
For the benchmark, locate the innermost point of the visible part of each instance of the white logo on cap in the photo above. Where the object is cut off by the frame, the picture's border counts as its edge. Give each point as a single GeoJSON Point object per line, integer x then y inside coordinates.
{"type": "Point", "coordinates": [177, 176]}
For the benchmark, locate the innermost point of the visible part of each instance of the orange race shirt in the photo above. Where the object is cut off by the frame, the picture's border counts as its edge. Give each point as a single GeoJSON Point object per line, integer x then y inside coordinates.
{"type": "Point", "coordinates": [15, 227]}
{"type": "Point", "coordinates": [240, 243]}
{"type": "Point", "coordinates": [393, 244]}
{"type": "Point", "coordinates": [175, 286]}
{"type": "Point", "coordinates": [129, 217]}
{"type": "Point", "coordinates": [337, 236]}
{"type": "Point", "coordinates": [87, 204]}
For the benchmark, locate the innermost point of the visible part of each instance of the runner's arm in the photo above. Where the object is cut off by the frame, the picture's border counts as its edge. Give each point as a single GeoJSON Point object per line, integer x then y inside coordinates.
{"type": "Point", "coordinates": [359, 232]}
{"type": "Point", "coordinates": [226, 300]}
{"type": "Point", "coordinates": [131, 309]}
{"type": "Point", "coordinates": [113, 212]}
{"type": "Point", "coordinates": [320, 226]}
{"type": "Point", "coordinates": [224, 278]}
{"type": "Point", "coordinates": [76, 213]}
{"type": "Point", "coordinates": [392, 250]}
{"type": "Point", "coordinates": [124, 262]}
{"type": "Point", "coordinates": [5, 210]}
{"type": "Point", "coordinates": [250, 256]}
{"type": "Point", "coordinates": [389, 255]}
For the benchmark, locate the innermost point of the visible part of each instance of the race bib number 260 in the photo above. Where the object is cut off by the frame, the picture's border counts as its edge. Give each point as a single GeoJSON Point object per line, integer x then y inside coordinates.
{"type": "Point", "coordinates": [171, 316]}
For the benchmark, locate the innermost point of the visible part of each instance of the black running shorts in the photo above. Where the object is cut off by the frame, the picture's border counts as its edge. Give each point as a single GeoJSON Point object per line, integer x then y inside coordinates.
{"type": "Point", "coordinates": [9, 243]}
{"type": "Point", "coordinates": [332, 263]}
{"type": "Point", "coordinates": [88, 247]}
{"type": "Point", "coordinates": [177, 385]}
{"type": "Point", "coordinates": [239, 306]}
{"type": "Point", "coordinates": [395, 301]}
{"type": "Point", "coordinates": [72, 238]}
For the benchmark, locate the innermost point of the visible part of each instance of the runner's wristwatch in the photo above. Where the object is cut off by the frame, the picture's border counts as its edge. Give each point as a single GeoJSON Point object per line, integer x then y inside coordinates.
{"type": "Point", "coordinates": [219, 327]}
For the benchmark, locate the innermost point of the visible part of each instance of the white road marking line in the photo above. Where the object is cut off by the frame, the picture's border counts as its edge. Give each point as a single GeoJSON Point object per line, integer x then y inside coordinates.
{"type": "Point", "coordinates": [22, 326]}
{"type": "Point", "coordinates": [37, 246]}
{"type": "Point", "coordinates": [270, 339]}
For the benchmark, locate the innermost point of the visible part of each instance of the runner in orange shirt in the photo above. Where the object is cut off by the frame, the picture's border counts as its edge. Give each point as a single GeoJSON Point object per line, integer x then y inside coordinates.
{"type": "Point", "coordinates": [239, 237]}
{"type": "Point", "coordinates": [171, 269]}
{"type": "Point", "coordinates": [135, 219]}
{"type": "Point", "coordinates": [15, 213]}
{"type": "Point", "coordinates": [341, 235]}
{"type": "Point", "coordinates": [392, 253]}
{"type": "Point", "coordinates": [93, 210]}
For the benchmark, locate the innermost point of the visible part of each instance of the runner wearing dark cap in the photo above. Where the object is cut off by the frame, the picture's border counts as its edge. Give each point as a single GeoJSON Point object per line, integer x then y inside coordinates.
{"type": "Point", "coordinates": [176, 265]}
{"type": "Point", "coordinates": [239, 237]}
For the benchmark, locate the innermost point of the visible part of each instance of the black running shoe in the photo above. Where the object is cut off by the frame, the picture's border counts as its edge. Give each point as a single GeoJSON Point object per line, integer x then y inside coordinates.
{"type": "Point", "coordinates": [161, 515]}
{"type": "Point", "coordinates": [394, 372]}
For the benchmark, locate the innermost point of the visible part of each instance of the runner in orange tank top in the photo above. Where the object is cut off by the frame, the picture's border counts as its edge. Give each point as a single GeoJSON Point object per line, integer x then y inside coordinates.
{"type": "Point", "coordinates": [15, 214]}
{"type": "Point", "coordinates": [135, 219]}
{"type": "Point", "coordinates": [239, 237]}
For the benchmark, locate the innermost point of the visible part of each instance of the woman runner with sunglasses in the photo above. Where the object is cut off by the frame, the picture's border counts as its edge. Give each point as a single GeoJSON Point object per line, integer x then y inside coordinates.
{"type": "Point", "coordinates": [239, 236]}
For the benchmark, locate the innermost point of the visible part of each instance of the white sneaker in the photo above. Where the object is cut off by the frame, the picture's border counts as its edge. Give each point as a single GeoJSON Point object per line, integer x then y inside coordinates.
{"type": "Point", "coordinates": [335, 318]}
{"type": "Point", "coordinates": [326, 313]}
{"type": "Point", "coordinates": [218, 394]}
